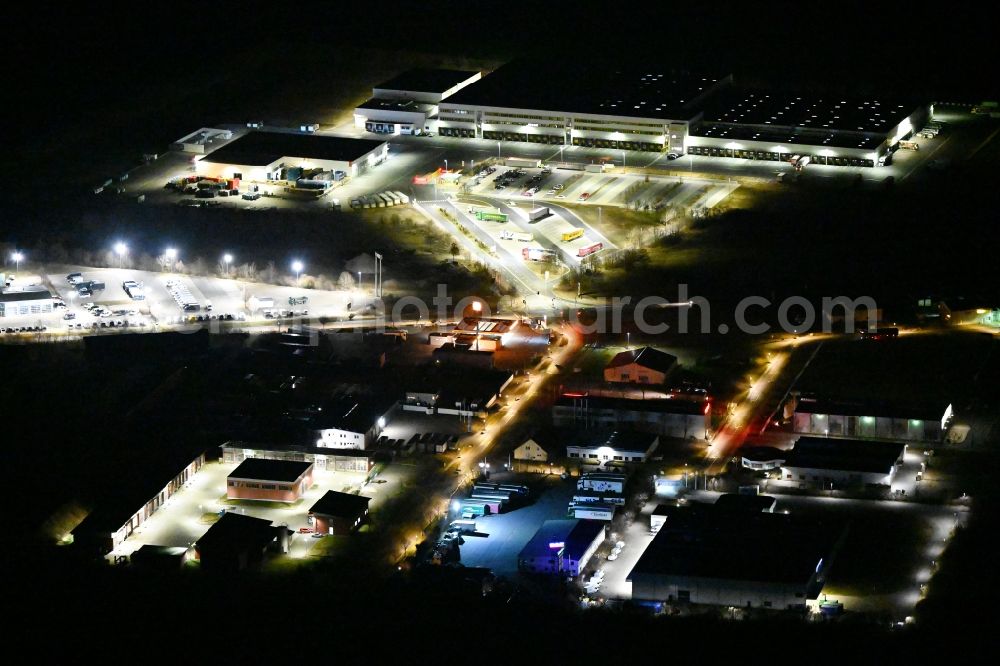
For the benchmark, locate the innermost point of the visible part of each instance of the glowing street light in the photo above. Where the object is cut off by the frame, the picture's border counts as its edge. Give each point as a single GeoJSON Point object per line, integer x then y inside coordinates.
{"type": "Point", "coordinates": [121, 249]}
{"type": "Point", "coordinates": [297, 266]}
{"type": "Point", "coordinates": [227, 259]}
{"type": "Point", "coordinates": [17, 257]}
{"type": "Point", "coordinates": [171, 256]}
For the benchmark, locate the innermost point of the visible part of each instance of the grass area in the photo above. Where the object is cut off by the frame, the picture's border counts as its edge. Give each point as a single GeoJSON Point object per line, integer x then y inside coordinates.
{"type": "Point", "coordinates": [209, 518]}
{"type": "Point", "coordinates": [329, 546]}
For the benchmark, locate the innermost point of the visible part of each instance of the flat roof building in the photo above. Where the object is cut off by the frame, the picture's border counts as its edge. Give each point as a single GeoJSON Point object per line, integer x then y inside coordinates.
{"type": "Point", "coordinates": [262, 156]}
{"type": "Point", "coordinates": [25, 302]}
{"type": "Point", "coordinates": [561, 547]}
{"type": "Point", "coordinates": [118, 515]}
{"type": "Point", "coordinates": [746, 503]}
{"type": "Point", "coordinates": [235, 543]}
{"type": "Point", "coordinates": [352, 422]}
{"type": "Point", "coordinates": [339, 460]}
{"type": "Point", "coordinates": [271, 480]}
{"type": "Point", "coordinates": [652, 108]}
{"type": "Point", "coordinates": [865, 419]}
{"type": "Point", "coordinates": [670, 417]}
{"type": "Point", "coordinates": [339, 513]}
{"type": "Point", "coordinates": [821, 461]}
{"type": "Point", "coordinates": [704, 554]}
{"type": "Point", "coordinates": [406, 103]}
{"type": "Point", "coordinates": [617, 446]}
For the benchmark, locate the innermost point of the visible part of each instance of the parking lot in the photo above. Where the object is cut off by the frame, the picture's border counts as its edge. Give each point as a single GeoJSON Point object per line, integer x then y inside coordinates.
{"type": "Point", "coordinates": [172, 299]}
{"type": "Point", "coordinates": [500, 538]}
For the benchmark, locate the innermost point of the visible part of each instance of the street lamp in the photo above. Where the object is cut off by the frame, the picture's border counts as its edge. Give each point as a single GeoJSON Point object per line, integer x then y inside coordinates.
{"type": "Point", "coordinates": [171, 256]}
{"type": "Point", "coordinates": [297, 266]}
{"type": "Point", "coordinates": [227, 259]}
{"type": "Point", "coordinates": [121, 249]}
{"type": "Point", "coordinates": [446, 165]}
{"type": "Point", "coordinates": [17, 257]}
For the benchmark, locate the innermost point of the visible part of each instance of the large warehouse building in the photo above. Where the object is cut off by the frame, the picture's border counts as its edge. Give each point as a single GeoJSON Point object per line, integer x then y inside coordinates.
{"type": "Point", "coordinates": [406, 103]}
{"type": "Point", "coordinates": [263, 156]}
{"type": "Point", "coordinates": [648, 108]}
{"type": "Point", "coordinates": [865, 419]}
{"type": "Point", "coordinates": [820, 462]}
{"type": "Point", "coordinates": [705, 554]}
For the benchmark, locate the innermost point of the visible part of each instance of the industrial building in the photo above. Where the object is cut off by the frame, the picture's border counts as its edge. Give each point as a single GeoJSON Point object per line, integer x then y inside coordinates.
{"type": "Point", "coordinates": [270, 480]}
{"type": "Point", "coordinates": [618, 446]}
{"type": "Point", "coordinates": [484, 334]}
{"type": "Point", "coordinates": [647, 108]}
{"type": "Point", "coordinates": [704, 554]}
{"type": "Point", "coordinates": [334, 460]}
{"type": "Point", "coordinates": [268, 156]}
{"type": "Point", "coordinates": [351, 423]}
{"type": "Point", "coordinates": [762, 458]}
{"type": "Point", "coordinates": [777, 126]}
{"type": "Point", "coordinates": [14, 302]}
{"type": "Point", "coordinates": [676, 417]}
{"type": "Point", "coordinates": [645, 365]}
{"type": "Point", "coordinates": [339, 513]}
{"type": "Point", "coordinates": [561, 547]}
{"type": "Point", "coordinates": [455, 391]}
{"type": "Point", "coordinates": [236, 543]}
{"type": "Point", "coordinates": [871, 420]}
{"type": "Point", "coordinates": [746, 503]}
{"type": "Point", "coordinates": [542, 446]}
{"type": "Point", "coordinates": [126, 508]}
{"type": "Point", "coordinates": [820, 461]}
{"type": "Point", "coordinates": [406, 103]}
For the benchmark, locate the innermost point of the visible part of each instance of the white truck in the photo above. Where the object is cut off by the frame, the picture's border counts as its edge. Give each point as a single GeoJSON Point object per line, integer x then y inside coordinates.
{"type": "Point", "coordinates": [402, 197]}
{"type": "Point", "coordinates": [523, 236]}
{"type": "Point", "coordinates": [260, 303]}
{"type": "Point", "coordinates": [539, 213]}
{"type": "Point", "coordinates": [522, 162]}
{"type": "Point", "coordinates": [134, 290]}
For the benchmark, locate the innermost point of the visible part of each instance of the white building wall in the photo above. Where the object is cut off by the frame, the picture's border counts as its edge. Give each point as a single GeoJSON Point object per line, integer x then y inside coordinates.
{"type": "Point", "coordinates": [718, 592]}
{"type": "Point", "coordinates": [334, 438]}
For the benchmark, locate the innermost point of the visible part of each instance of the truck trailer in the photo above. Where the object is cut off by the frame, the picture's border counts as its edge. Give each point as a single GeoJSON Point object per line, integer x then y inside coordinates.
{"type": "Point", "coordinates": [539, 213]}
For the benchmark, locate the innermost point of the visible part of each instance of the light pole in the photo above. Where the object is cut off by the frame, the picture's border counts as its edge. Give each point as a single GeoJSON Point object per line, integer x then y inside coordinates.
{"type": "Point", "coordinates": [624, 168]}
{"type": "Point", "coordinates": [121, 249]}
{"type": "Point", "coordinates": [498, 151]}
{"type": "Point", "coordinates": [297, 266]}
{"type": "Point", "coordinates": [628, 339]}
{"type": "Point", "coordinates": [446, 165]}
{"type": "Point", "coordinates": [227, 259]}
{"type": "Point", "coordinates": [17, 257]}
{"type": "Point", "coordinates": [171, 256]}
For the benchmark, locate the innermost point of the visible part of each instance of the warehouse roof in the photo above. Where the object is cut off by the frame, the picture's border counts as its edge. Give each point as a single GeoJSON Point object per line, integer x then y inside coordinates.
{"type": "Point", "coordinates": [24, 295]}
{"type": "Point", "coordinates": [425, 79]}
{"type": "Point", "coordinates": [647, 357]}
{"type": "Point", "coordinates": [789, 135]}
{"type": "Point", "coordinates": [140, 483]}
{"type": "Point", "coordinates": [575, 535]}
{"type": "Point", "coordinates": [352, 413]}
{"type": "Point", "coordinates": [589, 88]}
{"type": "Point", "coordinates": [751, 503]}
{"type": "Point", "coordinates": [660, 405]}
{"type": "Point", "coordinates": [924, 412]}
{"type": "Point", "coordinates": [763, 453]}
{"type": "Point", "coordinates": [341, 505]}
{"type": "Point", "coordinates": [379, 104]}
{"type": "Point", "coordinates": [790, 109]}
{"type": "Point", "coordinates": [234, 532]}
{"type": "Point", "coordinates": [270, 470]}
{"type": "Point", "coordinates": [703, 541]}
{"type": "Point", "coordinates": [849, 455]}
{"type": "Point", "coordinates": [266, 148]}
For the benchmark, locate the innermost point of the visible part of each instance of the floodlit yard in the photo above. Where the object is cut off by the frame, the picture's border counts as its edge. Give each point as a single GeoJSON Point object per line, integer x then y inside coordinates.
{"type": "Point", "coordinates": [187, 515]}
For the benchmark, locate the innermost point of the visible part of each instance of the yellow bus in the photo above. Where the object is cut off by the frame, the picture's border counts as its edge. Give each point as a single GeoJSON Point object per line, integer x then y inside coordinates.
{"type": "Point", "coordinates": [572, 235]}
